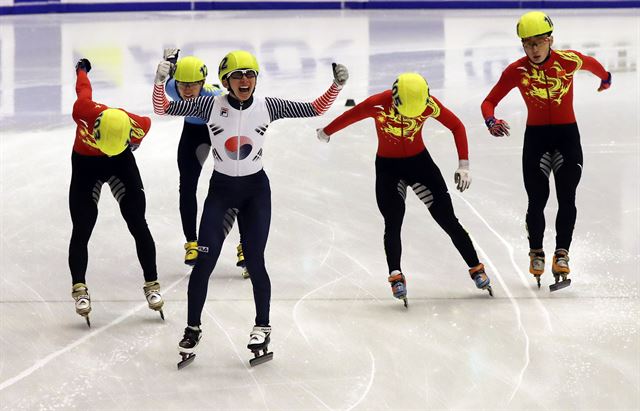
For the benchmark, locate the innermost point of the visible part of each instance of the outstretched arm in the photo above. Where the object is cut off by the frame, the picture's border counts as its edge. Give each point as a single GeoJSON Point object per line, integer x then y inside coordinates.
{"type": "Point", "coordinates": [359, 112]}
{"type": "Point", "coordinates": [279, 108]}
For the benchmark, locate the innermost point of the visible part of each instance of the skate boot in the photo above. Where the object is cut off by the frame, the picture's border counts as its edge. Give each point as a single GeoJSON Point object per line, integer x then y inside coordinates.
{"type": "Point", "coordinates": [259, 339]}
{"type": "Point", "coordinates": [399, 286]}
{"type": "Point", "coordinates": [241, 263]}
{"type": "Point", "coordinates": [186, 346]}
{"type": "Point", "coordinates": [481, 278]}
{"type": "Point", "coordinates": [154, 298]}
{"type": "Point", "coordinates": [560, 268]}
{"type": "Point", "coordinates": [191, 254]}
{"type": "Point", "coordinates": [80, 294]}
{"type": "Point", "coordinates": [536, 264]}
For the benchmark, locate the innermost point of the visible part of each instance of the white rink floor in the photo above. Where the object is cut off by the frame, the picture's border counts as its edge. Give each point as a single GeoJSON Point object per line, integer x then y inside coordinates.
{"type": "Point", "coordinates": [341, 342]}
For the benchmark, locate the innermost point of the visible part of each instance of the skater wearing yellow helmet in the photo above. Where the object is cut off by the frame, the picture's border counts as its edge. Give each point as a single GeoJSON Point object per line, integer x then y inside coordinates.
{"type": "Point", "coordinates": [544, 77]}
{"type": "Point", "coordinates": [403, 161]}
{"type": "Point", "coordinates": [102, 153]}
{"type": "Point", "coordinates": [188, 81]}
{"type": "Point", "coordinates": [238, 122]}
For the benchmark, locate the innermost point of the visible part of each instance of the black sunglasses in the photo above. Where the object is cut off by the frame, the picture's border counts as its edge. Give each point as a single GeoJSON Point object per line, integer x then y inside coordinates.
{"type": "Point", "coordinates": [238, 74]}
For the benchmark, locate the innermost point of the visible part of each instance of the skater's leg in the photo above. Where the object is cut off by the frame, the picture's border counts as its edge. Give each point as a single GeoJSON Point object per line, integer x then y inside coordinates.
{"type": "Point", "coordinates": [256, 220]}
{"type": "Point", "coordinates": [126, 186]}
{"type": "Point", "coordinates": [84, 194]}
{"type": "Point", "coordinates": [567, 177]}
{"type": "Point", "coordinates": [430, 187]}
{"type": "Point", "coordinates": [193, 149]}
{"type": "Point", "coordinates": [536, 167]}
{"type": "Point", "coordinates": [212, 233]}
{"type": "Point", "coordinates": [391, 192]}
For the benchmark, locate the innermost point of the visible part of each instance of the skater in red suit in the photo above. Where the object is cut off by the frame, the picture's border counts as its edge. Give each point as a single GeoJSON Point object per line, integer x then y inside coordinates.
{"type": "Point", "coordinates": [403, 160]}
{"type": "Point", "coordinates": [544, 78]}
{"type": "Point", "coordinates": [102, 153]}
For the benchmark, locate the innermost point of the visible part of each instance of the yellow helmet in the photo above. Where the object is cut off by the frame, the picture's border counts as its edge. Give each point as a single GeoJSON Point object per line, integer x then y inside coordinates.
{"type": "Point", "coordinates": [534, 23]}
{"type": "Point", "coordinates": [190, 69]}
{"type": "Point", "coordinates": [112, 130]}
{"type": "Point", "coordinates": [236, 60]}
{"type": "Point", "coordinates": [410, 94]}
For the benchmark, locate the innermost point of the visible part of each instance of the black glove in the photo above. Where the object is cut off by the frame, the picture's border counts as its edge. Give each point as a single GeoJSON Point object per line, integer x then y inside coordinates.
{"type": "Point", "coordinates": [84, 65]}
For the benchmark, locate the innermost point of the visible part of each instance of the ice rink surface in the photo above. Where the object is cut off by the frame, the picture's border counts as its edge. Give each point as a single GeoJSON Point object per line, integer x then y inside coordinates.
{"type": "Point", "coordinates": [340, 341]}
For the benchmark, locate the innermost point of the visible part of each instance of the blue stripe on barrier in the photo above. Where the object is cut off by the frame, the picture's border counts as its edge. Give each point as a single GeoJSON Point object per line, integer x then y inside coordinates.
{"type": "Point", "coordinates": [55, 6]}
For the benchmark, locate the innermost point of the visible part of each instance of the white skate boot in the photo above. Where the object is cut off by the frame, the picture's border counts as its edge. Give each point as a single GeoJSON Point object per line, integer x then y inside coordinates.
{"type": "Point", "coordinates": [80, 294]}
{"type": "Point", "coordinates": [154, 298]}
{"type": "Point", "coordinates": [189, 342]}
{"type": "Point", "coordinates": [259, 339]}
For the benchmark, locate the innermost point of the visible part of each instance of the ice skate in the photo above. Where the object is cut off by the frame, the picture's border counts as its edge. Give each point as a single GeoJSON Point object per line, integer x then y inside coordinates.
{"type": "Point", "coordinates": [399, 287]}
{"type": "Point", "coordinates": [80, 294]}
{"type": "Point", "coordinates": [560, 269]}
{"type": "Point", "coordinates": [259, 339]}
{"type": "Point", "coordinates": [186, 346]}
{"type": "Point", "coordinates": [154, 298]}
{"type": "Point", "coordinates": [536, 264]}
{"type": "Point", "coordinates": [481, 278]}
{"type": "Point", "coordinates": [241, 263]}
{"type": "Point", "coordinates": [191, 252]}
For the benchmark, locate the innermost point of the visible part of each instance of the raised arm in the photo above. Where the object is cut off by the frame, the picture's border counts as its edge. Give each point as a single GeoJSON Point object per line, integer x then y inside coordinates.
{"type": "Point", "coordinates": [279, 108]}
{"type": "Point", "coordinates": [83, 85]}
{"type": "Point", "coordinates": [200, 107]}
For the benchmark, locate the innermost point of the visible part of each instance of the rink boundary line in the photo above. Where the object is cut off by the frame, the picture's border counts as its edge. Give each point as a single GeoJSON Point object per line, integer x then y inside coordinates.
{"type": "Point", "coordinates": [47, 359]}
{"type": "Point", "coordinates": [470, 298]}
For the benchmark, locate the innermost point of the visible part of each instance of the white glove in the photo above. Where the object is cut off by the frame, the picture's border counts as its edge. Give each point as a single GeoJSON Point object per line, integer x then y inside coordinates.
{"type": "Point", "coordinates": [340, 74]}
{"type": "Point", "coordinates": [171, 55]}
{"type": "Point", "coordinates": [322, 136]}
{"type": "Point", "coordinates": [162, 72]}
{"type": "Point", "coordinates": [462, 176]}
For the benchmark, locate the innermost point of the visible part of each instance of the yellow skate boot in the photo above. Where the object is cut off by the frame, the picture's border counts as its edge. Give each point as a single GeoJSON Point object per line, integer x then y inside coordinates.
{"type": "Point", "coordinates": [560, 268]}
{"type": "Point", "coordinates": [241, 263]}
{"type": "Point", "coordinates": [536, 264]}
{"type": "Point", "coordinates": [191, 254]}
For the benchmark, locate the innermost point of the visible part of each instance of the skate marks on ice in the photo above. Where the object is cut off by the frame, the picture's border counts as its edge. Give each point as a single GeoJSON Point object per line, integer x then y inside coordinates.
{"type": "Point", "coordinates": [514, 302]}
{"type": "Point", "coordinates": [523, 278]}
{"type": "Point", "coordinates": [323, 263]}
{"type": "Point", "coordinates": [240, 358]}
{"type": "Point", "coordinates": [94, 332]}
